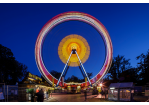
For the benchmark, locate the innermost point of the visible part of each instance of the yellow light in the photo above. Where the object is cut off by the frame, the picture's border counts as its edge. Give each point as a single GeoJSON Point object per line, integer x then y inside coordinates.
{"type": "Point", "coordinates": [53, 81]}
{"type": "Point", "coordinates": [71, 42]}
{"type": "Point", "coordinates": [30, 78]}
{"type": "Point", "coordinates": [85, 81]}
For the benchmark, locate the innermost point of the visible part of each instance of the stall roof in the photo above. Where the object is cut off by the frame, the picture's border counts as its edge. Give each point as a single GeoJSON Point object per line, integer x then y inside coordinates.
{"type": "Point", "coordinates": [121, 85]}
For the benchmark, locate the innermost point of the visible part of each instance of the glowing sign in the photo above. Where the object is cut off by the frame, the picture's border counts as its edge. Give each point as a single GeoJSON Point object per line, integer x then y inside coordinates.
{"type": "Point", "coordinates": [34, 76]}
{"type": "Point", "coordinates": [112, 88]}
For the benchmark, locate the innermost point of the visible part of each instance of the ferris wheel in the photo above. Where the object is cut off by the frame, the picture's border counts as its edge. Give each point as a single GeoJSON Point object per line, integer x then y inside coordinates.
{"type": "Point", "coordinates": [73, 50]}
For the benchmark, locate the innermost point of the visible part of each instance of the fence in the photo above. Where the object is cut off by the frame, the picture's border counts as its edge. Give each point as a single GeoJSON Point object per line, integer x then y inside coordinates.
{"type": "Point", "coordinates": [2, 91]}
{"type": "Point", "coordinates": [10, 92]}
{"type": "Point", "coordinates": [22, 94]}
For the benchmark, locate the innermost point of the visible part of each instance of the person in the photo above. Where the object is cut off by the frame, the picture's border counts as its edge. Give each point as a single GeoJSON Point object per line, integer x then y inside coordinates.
{"type": "Point", "coordinates": [102, 93]}
{"type": "Point", "coordinates": [37, 94]}
{"type": "Point", "coordinates": [85, 94]}
{"type": "Point", "coordinates": [37, 90]}
{"type": "Point", "coordinates": [47, 94]}
{"type": "Point", "coordinates": [106, 92]}
{"type": "Point", "coordinates": [38, 97]}
{"type": "Point", "coordinates": [51, 93]}
{"type": "Point", "coordinates": [41, 95]}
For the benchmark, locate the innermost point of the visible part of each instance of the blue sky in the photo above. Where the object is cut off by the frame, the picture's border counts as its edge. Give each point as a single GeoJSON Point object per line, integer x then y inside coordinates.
{"type": "Point", "coordinates": [127, 24]}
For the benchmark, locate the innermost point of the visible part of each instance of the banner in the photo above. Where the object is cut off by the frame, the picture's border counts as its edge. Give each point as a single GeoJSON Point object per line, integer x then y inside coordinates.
{"type": "Point", "coordinates": [53, 81]}
{"type": "Point", "coordinates": [94, 80]}
{"type": "Point", "coordinates": [85, 81]}
{"type": "Point", "coordinates": [62, 81]}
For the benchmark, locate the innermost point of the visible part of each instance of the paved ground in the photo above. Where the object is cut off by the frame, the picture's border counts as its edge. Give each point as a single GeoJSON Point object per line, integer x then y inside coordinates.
{"type": "Point", "coordinates": [98, 100]}
{"type": "Point", "coordinates": [75, 98]}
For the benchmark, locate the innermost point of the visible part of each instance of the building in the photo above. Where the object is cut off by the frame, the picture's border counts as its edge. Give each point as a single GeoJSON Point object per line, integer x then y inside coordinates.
{"type": "Point", "coordinates": [9, 92]}
{"type": "Point", "coordinates": [30, 85]}
{"type": "Point", "coordinates": [121, 91]}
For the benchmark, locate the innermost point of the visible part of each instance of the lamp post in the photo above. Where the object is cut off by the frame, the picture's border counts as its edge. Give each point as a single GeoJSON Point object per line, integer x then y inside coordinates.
{"type": "Point", "coordinates": [101, 92]}
{"type": "Point", "coordinates": [100, 84]}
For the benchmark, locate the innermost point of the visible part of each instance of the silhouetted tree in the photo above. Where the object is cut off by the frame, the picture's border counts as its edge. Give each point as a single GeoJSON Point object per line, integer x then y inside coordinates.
{"type": "Point", "coordinates": [43, 80]}
{"type": "Point", "coordinates": [112, 72]}
{"type": "Point", "coordinates": [143, 68]}
{"type": "Point", "coordinates": [119, 65]}
{"type": "Point", "coordinates": [55, 74]}
{"type": "Point", "coordinates": [76, 79]}
{"type": "Point", "coordinates": [73, 79]}
{"type": "Point", "coordinates": [69, 79]}
{"type": "Point", "coordinates": [11, 71]}
{"type": "Point", "coordinates": [121, 71]}
{"type": "Point", "coordinates": [129, 75]}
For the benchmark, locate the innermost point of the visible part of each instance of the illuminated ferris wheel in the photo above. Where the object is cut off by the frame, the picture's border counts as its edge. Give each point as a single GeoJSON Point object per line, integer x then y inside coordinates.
{"type": "Point", "coordinates": [73, 50]}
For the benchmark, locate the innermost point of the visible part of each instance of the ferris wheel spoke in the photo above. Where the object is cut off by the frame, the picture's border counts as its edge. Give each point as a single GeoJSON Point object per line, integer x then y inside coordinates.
{"type": "Point", "coordinates": [64, 69]}
{"type": "Point", "coordinates": [83, 68]}
{"type": "Point", "coordinates": [82, 71]}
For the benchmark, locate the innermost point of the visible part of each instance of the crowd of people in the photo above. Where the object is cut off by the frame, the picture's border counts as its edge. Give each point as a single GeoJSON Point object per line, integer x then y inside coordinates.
{"type": "Point", "coordinates": [42, 94]}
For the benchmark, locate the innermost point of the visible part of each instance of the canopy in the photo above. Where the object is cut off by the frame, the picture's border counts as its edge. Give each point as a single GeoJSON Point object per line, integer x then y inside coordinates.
{"type": "Point", "coordinates": [121, 85]}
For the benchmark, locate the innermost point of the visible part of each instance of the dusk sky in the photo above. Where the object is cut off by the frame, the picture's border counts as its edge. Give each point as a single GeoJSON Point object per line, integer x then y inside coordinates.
{"type": "Point", "coordinates": [127, 24]}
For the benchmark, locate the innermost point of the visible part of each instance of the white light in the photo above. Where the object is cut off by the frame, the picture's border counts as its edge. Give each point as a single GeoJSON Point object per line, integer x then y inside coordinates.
{"type": "Point", "coordinates": [112, 88]}
{"type": "Point", "coordinates": [100, 84]}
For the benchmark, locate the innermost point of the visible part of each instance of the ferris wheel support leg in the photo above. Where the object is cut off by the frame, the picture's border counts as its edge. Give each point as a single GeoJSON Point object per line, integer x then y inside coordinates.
{"type": "Point", "coordinates": [83, 68]}
{"type": "Point", "coordinates": [64, 69]}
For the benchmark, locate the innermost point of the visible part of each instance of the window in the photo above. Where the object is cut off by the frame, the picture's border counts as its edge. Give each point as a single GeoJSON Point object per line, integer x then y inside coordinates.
{"type": "Point", "coordinates": [12, 91]}
{"type": "Point", "coordinates": [16, 92]}
{"type": "Point", "coordinates": [0, 89]}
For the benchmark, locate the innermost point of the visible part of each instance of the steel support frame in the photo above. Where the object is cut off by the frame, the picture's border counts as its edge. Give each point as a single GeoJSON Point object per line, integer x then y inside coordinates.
{"type": "Point", "coordinates": [82, 71]}
{"type": "Point", "coordinates": [64, 68]}
{"type": "Point", "coordinates": [83, 68]}
{"type": "Point", "coordinates": [67, 68]}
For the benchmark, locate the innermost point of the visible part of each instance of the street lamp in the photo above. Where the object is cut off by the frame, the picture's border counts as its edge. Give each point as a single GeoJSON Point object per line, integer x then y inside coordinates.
{"type": "Point", "coordinates": [100, 84]}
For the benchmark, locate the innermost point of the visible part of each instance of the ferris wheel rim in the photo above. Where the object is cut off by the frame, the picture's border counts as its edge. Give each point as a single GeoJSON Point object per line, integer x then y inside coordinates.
{"type": "Point", "coordinates": [68, 16]}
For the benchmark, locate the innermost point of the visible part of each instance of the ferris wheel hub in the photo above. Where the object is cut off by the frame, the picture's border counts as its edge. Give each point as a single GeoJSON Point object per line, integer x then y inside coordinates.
{"type": "Point", "coordinates": [73, 51]}
{"type": "Point", "coordinates": [70, 43]}
{"type": "Point", "coordinates": [73, 46]}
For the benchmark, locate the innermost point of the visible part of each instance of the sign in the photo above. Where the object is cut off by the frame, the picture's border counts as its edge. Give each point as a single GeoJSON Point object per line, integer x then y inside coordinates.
{"type": "Point", "coordinates": [34, 76]}
{"type": "Point", "coordinates": [99, 89]}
